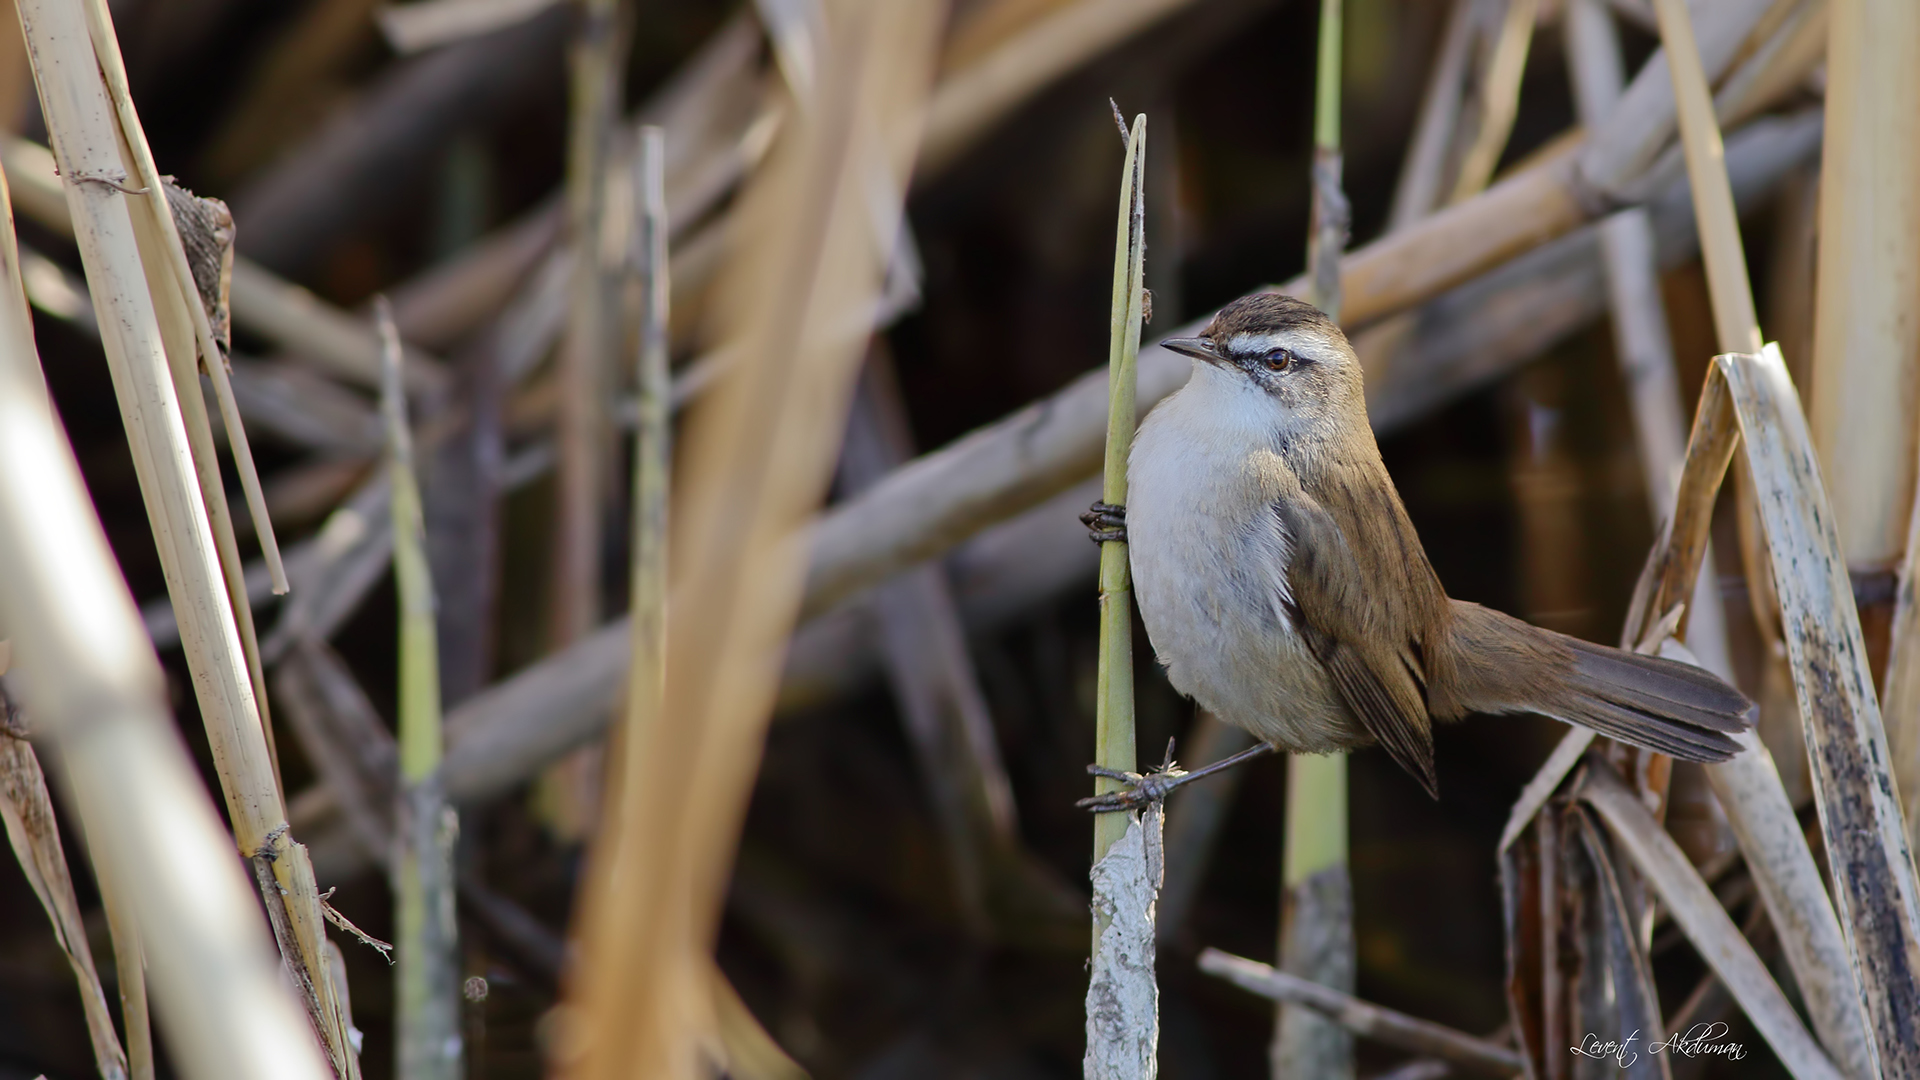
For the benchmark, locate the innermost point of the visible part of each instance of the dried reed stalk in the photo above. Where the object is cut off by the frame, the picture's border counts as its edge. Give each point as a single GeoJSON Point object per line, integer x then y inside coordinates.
{"type": "Point", "coordinates": [1364, 1018]}
{"type": "Point", "coordinates": [647, 613]}
{"type": "Point", "coordinates": [170, 269]}
{"type": "Point", "coordinates": [1316, 940]}
{"type": "Point", "coordinates": [128, 956]}
{"type": "Point", "coordinates": [971, 100]}
{"type": "Point", "coordinates": [1639, 318]}
{"type": "Point", "coordinates": [1123, 998]}
{"type": "Point", "coordinates": [642, 721]}
{"type": "Point", "coordinates": [1750, 790]}
{"type": "Point", "coordinates": [137, 320]}
{"type": "Point", "coordinates": [1866, 343]}
{"type": "Point", "coordinates": [1875, 891]}
{"type": "Point", "coordinates": [27, 810]}
{"type": "Point", "coordinates": [593, 332]}
{"type": "Point", "coordinates": [1620, 152]}
{"type": "Point", "coordinates": [1496, 97]}
{"type": "Point", "coordinates": [757, 453]}
{"type": "Point", "coordinates": [1008, 470]}
{"type": "Point", "coordinates": [99, 693]}
{"type": "Point", "coordinates": [1706, 923]}
{"type": "Point", "coordinates": [130, 965]}
{"type": "Point", "coordinates": [1735, 322]}
{"type": "Point", "coordinates": [1423, 175]}
{"type": "Point", "coordinates": [427, 992]}
{"type": "Point", "coordinates": [186, 308]}
{"type": "Point", "coordinates": [569, 794]}
{"type": "Point", "coordinates": [263, 303]}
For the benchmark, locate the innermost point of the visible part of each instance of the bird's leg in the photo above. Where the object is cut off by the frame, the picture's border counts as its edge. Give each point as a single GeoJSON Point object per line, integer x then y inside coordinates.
{"type": "Point", "coordinates": [1106, 522]}
{"type": "Point", "coordinates": [1143, 788]}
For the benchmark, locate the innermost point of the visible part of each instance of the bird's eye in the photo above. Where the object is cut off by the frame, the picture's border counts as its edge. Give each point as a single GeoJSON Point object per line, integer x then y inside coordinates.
{"type": "Point", "coordinates": [1278, 359]}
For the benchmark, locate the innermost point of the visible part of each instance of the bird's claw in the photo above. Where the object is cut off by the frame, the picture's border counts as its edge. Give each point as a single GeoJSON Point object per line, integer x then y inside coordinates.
{"type": "Point", "coordinates": [1106, 522]}
{"type": "Point", "coordinates": [1141, 788]}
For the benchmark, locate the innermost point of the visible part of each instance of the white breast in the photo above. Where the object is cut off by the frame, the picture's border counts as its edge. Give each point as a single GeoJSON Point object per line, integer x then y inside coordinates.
{"type": "Point", "coordinates": [1210, 559]}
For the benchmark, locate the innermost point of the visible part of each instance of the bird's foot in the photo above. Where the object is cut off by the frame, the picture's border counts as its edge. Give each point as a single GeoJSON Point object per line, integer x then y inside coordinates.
{"type": "Point", "coordinates": [1105, 522]}
{"type": "Point", "coordinates": [1141, 788]}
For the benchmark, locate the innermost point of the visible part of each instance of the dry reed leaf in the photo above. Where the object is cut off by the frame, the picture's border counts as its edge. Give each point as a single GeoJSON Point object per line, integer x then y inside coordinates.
{"type": "Point", "coordinates": [1877, 896]}
{"type": "Point", "coordinates": [27, 810]}
{"type": "Point", "coordinates": [756, 459]}
{"type": "Point", "coordinates": [1707, 924]}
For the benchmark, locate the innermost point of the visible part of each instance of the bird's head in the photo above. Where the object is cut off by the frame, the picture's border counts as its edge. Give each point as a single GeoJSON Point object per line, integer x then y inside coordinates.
{"type": "Point", "coordinates": [1285, 349]}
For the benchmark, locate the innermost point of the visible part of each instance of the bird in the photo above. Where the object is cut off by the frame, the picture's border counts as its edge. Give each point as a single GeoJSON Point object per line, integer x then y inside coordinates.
{"type": "Point", "coordinates": [1284, 589]}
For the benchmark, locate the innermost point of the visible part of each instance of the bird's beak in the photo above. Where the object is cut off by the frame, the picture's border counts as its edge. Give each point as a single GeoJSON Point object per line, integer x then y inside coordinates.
{"type": "Point", "coordinates": [1198, 348]}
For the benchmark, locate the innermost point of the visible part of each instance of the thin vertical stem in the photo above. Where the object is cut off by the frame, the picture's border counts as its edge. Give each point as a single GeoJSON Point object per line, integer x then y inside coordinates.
{"type": "Point", "coordinates": [428, 1006]}
{"type": "Point", "coordinates": [570, 792]}
{"type": "Point", "coordinates": [1113, 719]}
{"type": "Point", "coordinates": [646, 683]}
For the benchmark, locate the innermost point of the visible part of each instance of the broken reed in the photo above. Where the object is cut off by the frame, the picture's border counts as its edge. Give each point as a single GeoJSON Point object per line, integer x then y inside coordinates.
{"type": "Point", "coordinates": [1113, 694]}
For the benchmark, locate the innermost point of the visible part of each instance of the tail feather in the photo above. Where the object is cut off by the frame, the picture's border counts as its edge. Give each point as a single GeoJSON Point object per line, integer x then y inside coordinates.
{"type": "Point", "coordinates": [1507, 666]}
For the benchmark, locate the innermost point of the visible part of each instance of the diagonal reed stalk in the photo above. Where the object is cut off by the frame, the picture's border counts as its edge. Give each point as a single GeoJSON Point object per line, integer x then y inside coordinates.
{"type": "Point", "coordinates": [1316, 904]}
{"type": "Point", "coordinates": [426, 976]}
{"type": "Point", "coordinates": [99, 693]}
{"type": "Point", "coordinates": [152, 353]}
{"type": "Point", "coordinates": [755, 459]}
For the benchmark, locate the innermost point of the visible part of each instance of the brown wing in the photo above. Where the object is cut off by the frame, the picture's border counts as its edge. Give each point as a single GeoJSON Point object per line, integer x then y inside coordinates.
{"type": "Point", "coordinates": [1370, 609]}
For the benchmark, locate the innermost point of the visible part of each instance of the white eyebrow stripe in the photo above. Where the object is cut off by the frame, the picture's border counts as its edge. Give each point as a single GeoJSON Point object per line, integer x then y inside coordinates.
{"type": "Point", "coordinates": [1303, 343]}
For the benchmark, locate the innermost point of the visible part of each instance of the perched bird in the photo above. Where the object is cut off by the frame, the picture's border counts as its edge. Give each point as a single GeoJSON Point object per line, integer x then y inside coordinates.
{"type": "Point", "coordinates": [1285, 590]}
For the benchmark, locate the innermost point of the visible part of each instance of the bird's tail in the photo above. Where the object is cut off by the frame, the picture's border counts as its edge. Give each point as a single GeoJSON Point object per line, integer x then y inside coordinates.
{"type": "Point", "coordinates": [1508, 666]}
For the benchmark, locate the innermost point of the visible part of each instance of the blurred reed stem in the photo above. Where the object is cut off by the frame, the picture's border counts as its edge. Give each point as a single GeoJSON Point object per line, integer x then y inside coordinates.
{"type": "Point", "coordinates": [570, 792]}
{"type": "Point", "coordinates": [427, 1016]}
{"type": "Point", "coordinates": [138, 797]}
{"type": "Point", "coordinates": [122, 224]}
{"type": "Point", "coordinates": [755, 459]}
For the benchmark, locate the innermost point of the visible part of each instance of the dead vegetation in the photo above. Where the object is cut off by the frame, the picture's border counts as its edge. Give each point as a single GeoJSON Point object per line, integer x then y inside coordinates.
{"type": "Point", "coordinates": [598, 511]}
